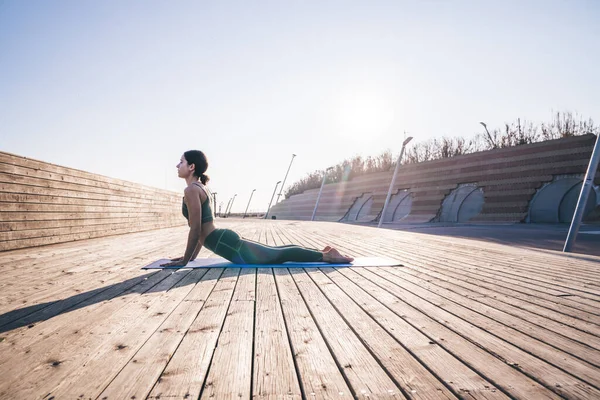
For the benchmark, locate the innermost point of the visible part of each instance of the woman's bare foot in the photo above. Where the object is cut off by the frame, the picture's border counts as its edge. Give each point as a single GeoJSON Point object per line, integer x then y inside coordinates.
{"type": "Point", "coordinates": [333, 256]}
{"type": "Point", "coordinates": [326, 249]}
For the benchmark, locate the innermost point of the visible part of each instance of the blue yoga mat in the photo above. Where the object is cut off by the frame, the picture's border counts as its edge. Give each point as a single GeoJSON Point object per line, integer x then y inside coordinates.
{"type": "Point", "coordinates": [220, 262]}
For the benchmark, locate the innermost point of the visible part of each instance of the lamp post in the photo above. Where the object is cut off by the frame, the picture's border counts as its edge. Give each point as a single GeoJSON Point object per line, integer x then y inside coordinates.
{"type": "Point", "coordinates": [586, 188]}
{"type": "Point", "coordinates": [389, 193]}
{"type": "Point", "coordinates": [253, 190]}
{"type": "Point", "coordinates": [268, 208]}
{"type": "Point", "coordinates": [227, 208]}
{"type": "Point", "coordinates": [286, 174]}
{"type": "Point", "coordinates": [231, 206]}
{"type": "Point", "coordinates": [490, 136]}
{"type": "Point", "coordinates": [320, 190]}
{"type": "Point", "coordinates": [215, 202]}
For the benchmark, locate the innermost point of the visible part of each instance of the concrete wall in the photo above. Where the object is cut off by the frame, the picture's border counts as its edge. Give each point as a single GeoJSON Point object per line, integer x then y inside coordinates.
{"type": "Point", "coordinates": [508, 177]}
{"type": "Point", "coordinates": [43, 203]}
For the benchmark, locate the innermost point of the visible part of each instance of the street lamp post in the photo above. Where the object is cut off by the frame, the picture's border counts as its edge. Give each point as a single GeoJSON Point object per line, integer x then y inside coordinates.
{"type": "Point", "coordinates": [269, 208]}
{"type": "Point", "coordinates": [286, 174]}
{"type": "Point", "coordinates": [253, 190]}
{"type": "Point", "coordinates": [389, 193]}
{"type": "Point", "coordinates": [320, 191]}
{"type": "Point", "coordinates": [490, 136]}
{"type": "Point", "coordinates": [586, 188]}
{"type": "Point", "coordinates": [231, 206]}
{"type": "Point", "coordinates": [215, 202]}
{"type": "Point", "coordinates": [227, 208]}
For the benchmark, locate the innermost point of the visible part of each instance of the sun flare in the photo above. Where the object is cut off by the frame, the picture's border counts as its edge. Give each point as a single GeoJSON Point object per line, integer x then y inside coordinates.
{"type": "Point", "coordinates": [363, 116]}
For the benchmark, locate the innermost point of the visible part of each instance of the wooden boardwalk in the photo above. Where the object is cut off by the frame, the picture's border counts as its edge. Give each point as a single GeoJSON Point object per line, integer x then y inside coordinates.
{"type": "Point", "coordinates": [461, 319]}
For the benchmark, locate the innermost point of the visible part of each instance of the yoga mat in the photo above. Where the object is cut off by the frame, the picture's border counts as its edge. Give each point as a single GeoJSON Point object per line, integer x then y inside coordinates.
{"type": "Point", "coordinates": [220, 262]}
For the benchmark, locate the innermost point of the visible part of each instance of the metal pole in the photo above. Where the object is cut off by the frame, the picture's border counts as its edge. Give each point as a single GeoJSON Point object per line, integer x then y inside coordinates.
{"type": "Point", "coordinates": [215, 202]}
{"type": "Point", "coordinates": [490, 136]}
{"type": "Point", "coordinates": [320, 190]}
{"type": "Point", "coordinates": [248, 203]}
{"type": "Point", "coordinates": [586, 188]}
{"type": "Point", "coordinates": [227, 208]}
{"type": "Point", "coordinates": [389, 193]}
{"type": "Point", "coordinates": [286, 174]}
{"type": "Point", "coordinates": [268, 208]}
{"type": "Point", "coordinates": [231, 206]}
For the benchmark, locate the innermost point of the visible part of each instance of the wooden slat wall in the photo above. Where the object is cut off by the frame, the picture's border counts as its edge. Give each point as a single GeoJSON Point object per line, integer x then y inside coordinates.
{"type": "Point", "coordinates": [43, 203]}
{"type": "Point", "coordinates": [509, 178]}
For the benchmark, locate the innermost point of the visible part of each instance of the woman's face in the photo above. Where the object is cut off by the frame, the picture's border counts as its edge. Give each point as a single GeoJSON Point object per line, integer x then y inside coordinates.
{"type": "Point", "coordinates": [183, 168]}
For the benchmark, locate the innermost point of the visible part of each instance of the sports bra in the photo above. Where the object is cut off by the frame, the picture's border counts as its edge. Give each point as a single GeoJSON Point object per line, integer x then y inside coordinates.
{"type": "Point", "coordinates": [207, 214]}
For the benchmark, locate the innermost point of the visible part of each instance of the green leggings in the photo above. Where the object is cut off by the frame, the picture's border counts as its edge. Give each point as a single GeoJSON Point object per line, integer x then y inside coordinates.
{"type": "Point", "coordinates": [228, 244]}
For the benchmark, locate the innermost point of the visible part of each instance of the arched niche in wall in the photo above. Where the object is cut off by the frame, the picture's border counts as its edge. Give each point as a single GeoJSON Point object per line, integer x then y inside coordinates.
{"type": "Point", "coordinates": [555, 202]}
{"type": "Point", "coordinates": [399, 206]}
{"type": "Point", "coordinates": [360, 209]}
{"type": "Point", "coordinates": [462, 204]}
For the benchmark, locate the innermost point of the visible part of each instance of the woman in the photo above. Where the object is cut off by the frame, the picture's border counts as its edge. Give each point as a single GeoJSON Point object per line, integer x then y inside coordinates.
{"type": "Point", "coordinates": [225, 242]}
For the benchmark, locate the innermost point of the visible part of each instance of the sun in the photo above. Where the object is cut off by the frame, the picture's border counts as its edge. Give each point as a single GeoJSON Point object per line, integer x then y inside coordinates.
{"type": "Point", "coordinates": [363, 116]}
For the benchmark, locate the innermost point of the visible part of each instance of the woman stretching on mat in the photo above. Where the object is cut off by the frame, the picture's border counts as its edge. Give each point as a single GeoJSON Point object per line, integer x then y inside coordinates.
{"type": "Point", "coordinates": [197, 210]}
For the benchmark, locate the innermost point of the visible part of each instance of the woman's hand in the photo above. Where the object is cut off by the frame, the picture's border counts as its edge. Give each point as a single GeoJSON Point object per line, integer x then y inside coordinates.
{"type": "Point", "coordinates": [175, 262]}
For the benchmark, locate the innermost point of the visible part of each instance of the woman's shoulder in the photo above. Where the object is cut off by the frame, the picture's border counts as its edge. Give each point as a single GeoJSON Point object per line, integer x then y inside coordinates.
{"type": "Point", "coordinates": [196, 189]}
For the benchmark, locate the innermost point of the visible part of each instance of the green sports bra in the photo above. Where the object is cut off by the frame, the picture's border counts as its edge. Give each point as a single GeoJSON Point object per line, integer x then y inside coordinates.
{"type": "Point", "coordinates": [207, 214]}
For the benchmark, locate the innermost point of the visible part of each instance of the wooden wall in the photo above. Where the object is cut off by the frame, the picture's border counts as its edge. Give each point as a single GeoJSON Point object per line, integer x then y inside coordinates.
{"type": "Point", "coordinates": [509, 178]}
{"type": "Point", "coordinates": [43, 203]}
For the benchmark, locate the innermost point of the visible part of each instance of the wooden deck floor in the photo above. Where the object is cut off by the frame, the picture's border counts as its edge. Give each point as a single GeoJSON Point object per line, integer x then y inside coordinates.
{"type": "Point", "coordinates": [460, 319]}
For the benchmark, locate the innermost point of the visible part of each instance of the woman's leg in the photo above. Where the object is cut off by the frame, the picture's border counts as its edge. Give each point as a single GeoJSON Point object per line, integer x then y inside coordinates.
{"type": "Point", "coordinates": [229, 245]}
{"type": "Point", "coordinates": [258, 253]}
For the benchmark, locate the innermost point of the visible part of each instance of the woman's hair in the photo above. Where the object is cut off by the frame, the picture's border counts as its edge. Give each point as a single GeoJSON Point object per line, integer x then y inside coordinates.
{"type": "Point", "coordinates": [198, 158]}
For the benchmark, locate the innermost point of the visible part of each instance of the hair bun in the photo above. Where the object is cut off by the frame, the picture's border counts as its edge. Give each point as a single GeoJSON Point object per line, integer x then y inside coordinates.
{"type": "Point", "coordinates": [204, 179]}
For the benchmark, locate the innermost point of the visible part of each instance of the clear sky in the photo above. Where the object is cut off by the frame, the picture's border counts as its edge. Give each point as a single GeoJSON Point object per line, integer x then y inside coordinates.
{"type": "Point", "coordinates": [122, 88]}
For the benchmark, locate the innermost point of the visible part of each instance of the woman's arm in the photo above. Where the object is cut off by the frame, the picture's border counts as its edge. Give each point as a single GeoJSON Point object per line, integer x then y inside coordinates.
{"type": "Point", "coordinates": [198, 248]}
{"type": "Point", "coordinates": [192, 199]}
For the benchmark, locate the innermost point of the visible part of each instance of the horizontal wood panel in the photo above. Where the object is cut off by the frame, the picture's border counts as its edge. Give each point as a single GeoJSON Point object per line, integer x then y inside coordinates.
{"type": "Point", "coordinates": [43, 203]}
{"type": "Point", "coordinates": [509, 178]}
{"type": "Point", "coordinates": [48, 224]}
{"type": "Point", "coordinates": [69, 230]}
{"type": "Point", "coordinates": [71, 195]}
{"type": "Point", "coordinates": [56, 184]}
{"type": "Point", "coordinates": [49, 207]}
{"type": "Point", "coordinates": [16, 160]}
{"type": "Point", "coordinates": [46, 240]}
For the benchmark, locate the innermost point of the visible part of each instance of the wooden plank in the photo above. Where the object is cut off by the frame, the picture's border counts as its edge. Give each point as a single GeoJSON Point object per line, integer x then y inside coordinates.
{"type": "Point", "coordinates": [544, 372]}
{"type": "Point", "coordinates": [30, 193]}
{"type": "Point", "coordinates": [66, 177]}
{"type": "Point", "coordinates": [109, 302]}
{"type": "Point", "coordinates": [41, 241]}
{"type": "Point", "coordinates": [399, 363]}
{"type": "Point", "coordinates": [26, 162]}
{"type": "Point", "coordinates": [458, 376]}
{"type": "Point", "coordinates": [41, 358]}
{"type": "Point", "coordinates": [144, 368]}
{"type": "Point", "coordinates": [127, 337]}
{"type": "Point", "coordinates": [319, 374]}
{"type": "Point", "coordinates": [185, 373]}
{"type": "Point", "coordinates": [52, 224]}
{"type": "Point", "coordinates": [361, 369]}
{"type": "Point", "coordinates": [230, 374]}
{"type": "Point", "coordinates": [407, 250]}
{"type": "Point", "coordinates": [547, 317]}
{"type": "Point", "coordinates": [501, 320]}
{"type": "Point", "coordinates": [57, 183]}
{"type": "Point", "coordinates": [512, 381]}
{"type": "Point", "coordinates": [71, 230]}
{"type": "Point", "coordinates": [274, 371]}
{"type": "Point", "coordinates": [471, 269]}
{"type": "Point", "coordinates": [22, 207]}
{"type": "Point", "coordinates": [55, 283]}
